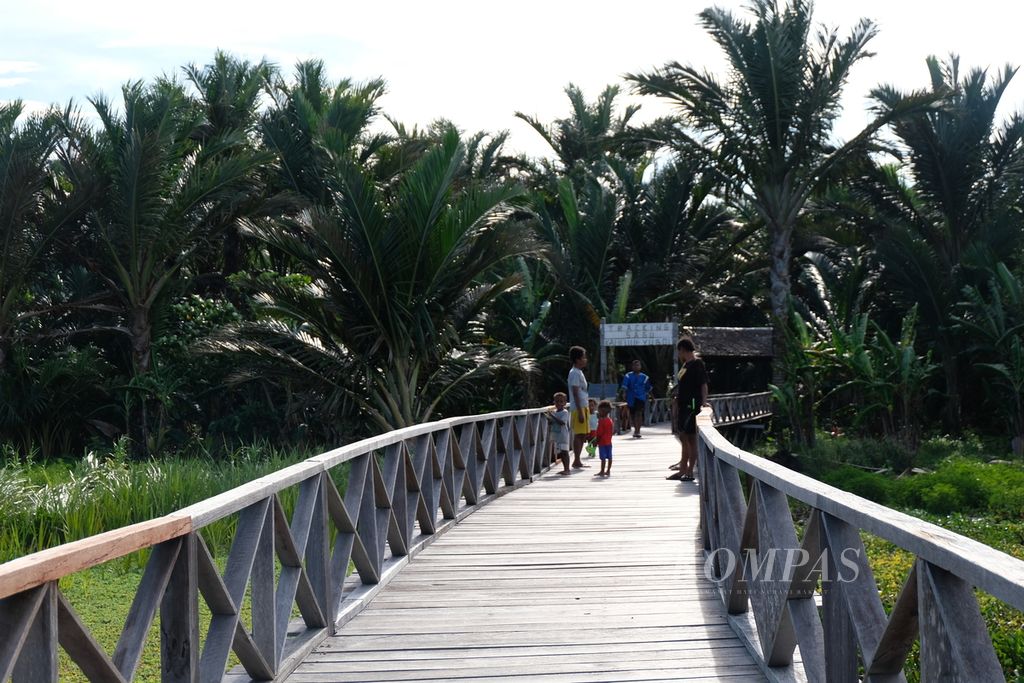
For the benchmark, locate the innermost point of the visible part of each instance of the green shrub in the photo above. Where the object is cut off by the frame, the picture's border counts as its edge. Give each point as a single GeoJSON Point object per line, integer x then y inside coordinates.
{"type": "Point", "coordinates": [941, 498]}
{"type": "Point", "coordinates": [868, 485]}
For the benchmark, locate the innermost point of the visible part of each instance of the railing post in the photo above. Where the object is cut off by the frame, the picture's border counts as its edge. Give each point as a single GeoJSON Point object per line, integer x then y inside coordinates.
{"type": "Point", "coordinates": [38, 660]}
{"type": "Point", "coordinates": [179, 618]}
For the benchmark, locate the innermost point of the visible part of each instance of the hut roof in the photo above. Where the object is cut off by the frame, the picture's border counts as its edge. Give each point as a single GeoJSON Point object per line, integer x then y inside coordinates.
{"type": "Point", "coordinates": [735, 342]}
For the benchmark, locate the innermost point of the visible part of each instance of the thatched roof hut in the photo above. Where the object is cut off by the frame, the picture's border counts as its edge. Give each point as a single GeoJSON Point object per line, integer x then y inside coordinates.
{"type": "Point", "coordinates": [732, 342]}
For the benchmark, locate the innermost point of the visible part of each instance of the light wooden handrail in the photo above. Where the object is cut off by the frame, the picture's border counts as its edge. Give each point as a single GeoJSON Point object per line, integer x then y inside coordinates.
{"type": "Point", "coordinates": [937, 605]}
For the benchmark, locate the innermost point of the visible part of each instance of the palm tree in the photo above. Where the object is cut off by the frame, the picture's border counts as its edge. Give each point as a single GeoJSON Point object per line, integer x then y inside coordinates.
{"type": "Point", "coordinates": [229, 93]}
{"type": "Point", "coordinates": [766, 130]}
{"type": "Point", "coordinates": [36, 207]}
{"type": "Point", "coordinates": [958, 214]}
{"type": "Point", "coordinates": [680, 245]}
{"type": "Point", "coordinates": [388, 319]}
{"type": "Point", "coordinates": [163, 193]}
{"type": "Point", "coordinates": [591, 133]}
{"type": "Point", "coordinates": [313, 122]}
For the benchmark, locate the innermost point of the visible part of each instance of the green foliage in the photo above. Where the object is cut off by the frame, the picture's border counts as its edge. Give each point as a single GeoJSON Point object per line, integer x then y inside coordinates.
{"type": "Point", "coordinates": [862, 483]}
{"type": "Point", "coordinates": [994, 320]}
{"type": "Point", "coordinates": [44, 506]}
{"type": "Point", "coordinates": [959, 483]}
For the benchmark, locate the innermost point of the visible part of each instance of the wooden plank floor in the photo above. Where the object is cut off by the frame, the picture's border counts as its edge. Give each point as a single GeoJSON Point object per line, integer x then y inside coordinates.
{"type": "Point", "coordinates": [578, 578]}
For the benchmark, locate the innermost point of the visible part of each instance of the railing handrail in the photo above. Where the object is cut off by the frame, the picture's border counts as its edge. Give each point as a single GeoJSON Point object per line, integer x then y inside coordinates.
{"type": "Point", "coordinates": [970, 559]}
{"type": "Point", "coordinates": [742, 533]}
{"type": "Point", "coordinates": [54, 563]}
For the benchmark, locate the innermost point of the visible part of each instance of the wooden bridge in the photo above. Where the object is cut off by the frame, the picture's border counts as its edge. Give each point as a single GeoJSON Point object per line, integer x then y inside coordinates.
{"type": "Point", "coordinates": [423, 567]}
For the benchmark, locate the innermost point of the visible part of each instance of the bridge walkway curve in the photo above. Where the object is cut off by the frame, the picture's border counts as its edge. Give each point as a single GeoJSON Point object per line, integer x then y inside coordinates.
{"type": "Point", "coordinates": [572, 578]}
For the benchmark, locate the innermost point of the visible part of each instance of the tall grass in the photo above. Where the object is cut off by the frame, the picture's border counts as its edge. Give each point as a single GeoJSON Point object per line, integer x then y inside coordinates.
{"type": "Point", "coordinates": [42, 506]}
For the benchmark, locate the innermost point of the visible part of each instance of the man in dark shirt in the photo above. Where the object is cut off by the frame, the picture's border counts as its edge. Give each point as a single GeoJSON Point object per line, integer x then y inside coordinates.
{"type": "Point", "coordinates": [691, 394]}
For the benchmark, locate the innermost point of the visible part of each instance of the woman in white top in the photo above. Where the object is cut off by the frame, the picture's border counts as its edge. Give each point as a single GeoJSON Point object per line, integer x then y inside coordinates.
{"type": "Point", "coordinates": [579, 407]}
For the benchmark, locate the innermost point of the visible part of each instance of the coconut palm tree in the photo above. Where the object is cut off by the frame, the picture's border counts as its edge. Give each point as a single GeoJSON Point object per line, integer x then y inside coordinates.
{"type": "Point", "coordinates": [766, 130]}
{"type": "Point", "coordinates": [387, 320]}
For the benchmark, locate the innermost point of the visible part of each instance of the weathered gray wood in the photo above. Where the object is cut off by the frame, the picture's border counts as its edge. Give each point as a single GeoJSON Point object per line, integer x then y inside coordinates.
{"type": "Point", "coordinates": [427, 501]}
{"type": "Point", "coordinates": [17, 615]}
{"type": "Point", "coordinates": [490, 456]}
{"type": "Point", "coordinates": [840, 640]}
{"type": "Point", "coordinates": [240, 563]}
{"type": "Point", "coordinates": [368, 565]}
{"type": "Point", "coordinates": [993, 571]}
{"type": "Point", "coordinates": [769, 588]}
{"type": "Point", "coordinates": [864, 607]}
{"type": "Point", "coordinates": [37, 660]}
{"type": "Point", "coordinates": [318, 561]}
{"type": "Point", "coordinates": [445, 446]}
{"type": "Point", "coordinates": [264, 602]}
{"type": "Point", "coordinates": [210, 583]}
{"type": "Point", "coordinates": [141, 614]}
{"type": "Point", "coordinates": [249, 654]}
{"type": "Point", "coordinates": [76, 640]}
{"type": "Point", "coordinates": [567, 562]}
{"type": "Point", "coordinates": [955, 645]}
{"type": "Point", "coordinates": [179, 616]}
{"type": "Point", "coordinates": [901, 631]}
{"type": "Point", "coordinates": [731, 515]}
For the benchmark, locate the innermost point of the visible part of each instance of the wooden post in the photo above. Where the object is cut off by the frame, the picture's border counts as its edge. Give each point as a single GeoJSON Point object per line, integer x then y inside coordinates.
{"type": "Point", "coordinates": [179, 618]}
{"type": "Point", "coordinates": [38, 660]}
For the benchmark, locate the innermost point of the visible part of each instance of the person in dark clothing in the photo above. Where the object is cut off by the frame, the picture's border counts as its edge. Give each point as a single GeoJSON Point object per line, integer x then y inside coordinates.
{"type": "Point", "coordinates": [690, 395]}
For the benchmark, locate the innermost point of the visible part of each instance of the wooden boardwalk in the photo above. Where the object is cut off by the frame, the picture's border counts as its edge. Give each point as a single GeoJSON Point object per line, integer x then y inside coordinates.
{"type": "Point", "coordinates": [577, 578]}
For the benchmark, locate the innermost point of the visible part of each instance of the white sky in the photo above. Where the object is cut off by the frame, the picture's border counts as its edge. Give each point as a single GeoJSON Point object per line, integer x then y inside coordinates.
{"type": "Point", "coordinates": [475, 63]}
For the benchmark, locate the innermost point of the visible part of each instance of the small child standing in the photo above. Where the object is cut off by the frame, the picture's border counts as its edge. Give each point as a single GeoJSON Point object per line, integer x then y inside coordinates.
{"type": "Point", "coordinates": [559, 420]}
{"type": "Point", "coordinates": [592, 437]}
{"type": "Point", "coordinates": [605, 428]}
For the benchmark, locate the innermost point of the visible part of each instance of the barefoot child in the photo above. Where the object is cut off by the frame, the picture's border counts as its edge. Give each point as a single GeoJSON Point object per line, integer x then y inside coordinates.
{"type": "Point", "coordinates": [605, 428]}
{"type": "Point", "coordinates": [559, 420]}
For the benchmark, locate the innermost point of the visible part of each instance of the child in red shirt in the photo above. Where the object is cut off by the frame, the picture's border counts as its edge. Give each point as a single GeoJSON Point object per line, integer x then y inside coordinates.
{"type": "Point", "coordinates": [604, 437]}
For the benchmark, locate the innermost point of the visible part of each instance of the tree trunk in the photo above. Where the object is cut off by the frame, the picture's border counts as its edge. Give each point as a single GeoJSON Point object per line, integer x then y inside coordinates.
{"type": "Point", "coordinates": [138, 418]}
{"type": "Point", "coordinates": [781, 256]}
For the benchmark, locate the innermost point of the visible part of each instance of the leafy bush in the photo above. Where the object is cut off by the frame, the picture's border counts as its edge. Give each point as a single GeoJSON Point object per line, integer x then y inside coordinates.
{"type": "Point", "coordinates": [865, 484]}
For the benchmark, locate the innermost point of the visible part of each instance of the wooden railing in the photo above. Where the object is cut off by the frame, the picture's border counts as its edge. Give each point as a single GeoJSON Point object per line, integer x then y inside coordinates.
{"type": "Point", "coordinates": [762, 569]}
{"type": "Point", "coordinates": [727, 409]}
{"type": "Point", "coordinates": [430, 476]}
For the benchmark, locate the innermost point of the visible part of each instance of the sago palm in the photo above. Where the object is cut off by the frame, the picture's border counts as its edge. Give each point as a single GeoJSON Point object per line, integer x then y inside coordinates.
{"type": "Point", "coordinates": [389, 321]}
{"type": "Point", "coordinates": [162, 195]}
{"type": "Point", "coordinates": [958, 212]}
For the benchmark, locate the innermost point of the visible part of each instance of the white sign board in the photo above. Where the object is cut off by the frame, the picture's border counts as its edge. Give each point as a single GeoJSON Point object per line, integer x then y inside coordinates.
{"type": "Point", "coordinates": [638, 334]}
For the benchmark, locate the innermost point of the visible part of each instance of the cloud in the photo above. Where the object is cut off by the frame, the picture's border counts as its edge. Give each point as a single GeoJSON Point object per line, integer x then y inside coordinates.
{"type": "Point", "coordinates": [11, 82]}
{"type": "Point", "coordinates": [15, 67]}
